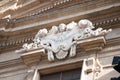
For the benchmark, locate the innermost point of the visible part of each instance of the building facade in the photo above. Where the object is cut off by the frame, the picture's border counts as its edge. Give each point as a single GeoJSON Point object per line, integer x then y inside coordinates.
{"type": "Point", "coordinates": [59, 39]}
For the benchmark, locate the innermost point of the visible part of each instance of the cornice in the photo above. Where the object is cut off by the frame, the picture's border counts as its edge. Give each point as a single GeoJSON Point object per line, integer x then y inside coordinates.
{"type": "Point", "coordinates": [98, 21]}
{"type": "Point", "coordinates": [11, 62]}
{"type": "Point", "coordinates": [38, 8]}
{"type": "Point", "coordinates": [20, 22]}
{"type": "Point", "coordinates": [56, 4]}
{"type": "Point", "coordinates": [107, 48]}
{"type": "Point", "coordinates": [106, 18]}
{"type": "Point", "coordinates": [12, 43]}
{"type": "Point", "coordinates": [112, 42]}
{"type": "Point", "coordinates": [17, 64]}
{"type": "Point", "coordinates": [44, 6]}
{"type": "Point", "coordinates": [107, 22]}
{"type": "Point", "coordinates": [30, 38]}
{"type": "Point", "coordinates": [11, 67]}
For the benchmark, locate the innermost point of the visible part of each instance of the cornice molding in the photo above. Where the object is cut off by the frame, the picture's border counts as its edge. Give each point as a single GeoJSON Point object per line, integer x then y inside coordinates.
{"type": "Point", "coordinates": [106, 49]}
{"type": "Point", "coordinates": [12, 43]}
{"type": "Point", "coordinates": [10, 63]}
{"type": "Point", "coordinates": [24, 26]}
{"type": "Point", "coordinates": [107, 22]}
{"type": "Point", "coordinates": [25, 19]}
{"type": "Point", "coordinates": [52, 4]}
{"type": "Point", "coordinates": [8, 5]}
{"type": "Point", "coordinates": [29, 39]}
{"type": "Point", "coordinates": [44, 7]}
{"type": "Point", "coordinates": [11, 66]}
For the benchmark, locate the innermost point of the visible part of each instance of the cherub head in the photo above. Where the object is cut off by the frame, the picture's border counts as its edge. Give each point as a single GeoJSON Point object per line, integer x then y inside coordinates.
{"type": "Point", "coordinates": [25, 46]}
{"type": "Point", "coordinates": [54, 29]}
{"type": "Point", "coordinates": [37, 40]}
{"type": "Point", "coordinates": [62, 27]}
{"type": "Point", "coordinates": [71, 25]}
{"type": "Point", "coordinates": [85, 24]}
{"type": "Point", "coordinates": [43, 32]}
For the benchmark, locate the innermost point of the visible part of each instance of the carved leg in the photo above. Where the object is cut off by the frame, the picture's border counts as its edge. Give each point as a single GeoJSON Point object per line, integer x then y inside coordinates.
{"type": "Point", "coordinates": [30, 75]}
{"type": "Point", "coordinates": [36, 75]}
{"type": "Point", "coordinates": [73, 50]}
{"type": "Point", "coordinates": [50, 55]}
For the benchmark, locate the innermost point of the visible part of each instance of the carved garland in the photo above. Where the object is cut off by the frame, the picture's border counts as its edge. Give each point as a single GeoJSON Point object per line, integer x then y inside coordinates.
{"type": "Point", "coordinates": [61, 41]}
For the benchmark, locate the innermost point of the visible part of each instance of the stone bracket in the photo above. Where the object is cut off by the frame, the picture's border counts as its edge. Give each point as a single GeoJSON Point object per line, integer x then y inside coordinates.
{"type": "Point", "coordinates": [96, 43]}
{"type": "Point", "coordinates": [31, 58]}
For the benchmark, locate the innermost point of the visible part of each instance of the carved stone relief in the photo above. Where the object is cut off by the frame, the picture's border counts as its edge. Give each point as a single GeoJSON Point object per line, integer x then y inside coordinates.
{"type": "Point", "coordinates": [95, 68]}
{"type": "Point", "coordinates": [60, 41]}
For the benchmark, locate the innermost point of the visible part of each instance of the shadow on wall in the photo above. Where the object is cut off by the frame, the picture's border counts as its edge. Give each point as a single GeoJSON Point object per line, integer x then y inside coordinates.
{"type": "Point", "coordinates": [116, 62]}
{"type": "Point", "coordinates": [116, 78]}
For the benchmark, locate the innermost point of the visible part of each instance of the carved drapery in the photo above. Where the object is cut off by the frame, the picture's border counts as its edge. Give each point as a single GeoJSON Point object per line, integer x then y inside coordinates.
{"type": "Point", "coordinates": [60, 41]}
